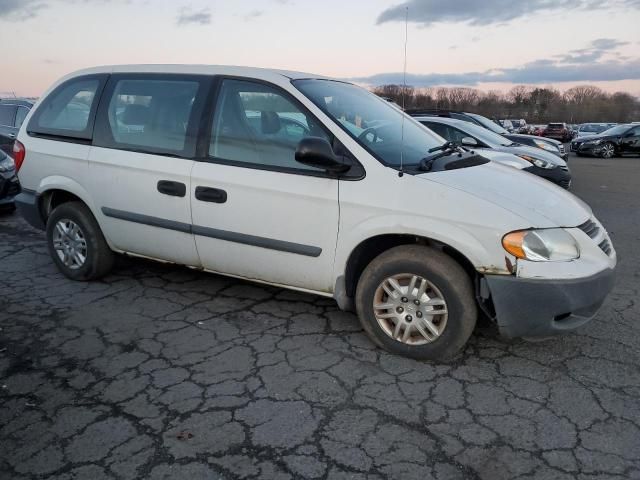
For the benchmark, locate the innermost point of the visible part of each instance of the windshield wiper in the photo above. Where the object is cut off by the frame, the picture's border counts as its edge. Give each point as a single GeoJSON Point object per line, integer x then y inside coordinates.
{"type": "Point", "coordinates": [443, 150]}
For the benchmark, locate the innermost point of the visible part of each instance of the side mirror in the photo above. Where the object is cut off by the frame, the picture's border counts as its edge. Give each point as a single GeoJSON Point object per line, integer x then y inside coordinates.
{"type": "Point", "coordinates": [316, 152]}
{"type": "Point", "coordinates": [469, 142]}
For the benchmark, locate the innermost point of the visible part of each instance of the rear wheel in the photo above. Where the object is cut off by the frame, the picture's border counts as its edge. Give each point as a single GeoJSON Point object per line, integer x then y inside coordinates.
{"type": "Point", "coordinates": [76, 243]}
{"type": "Point", "coordinates": [417, 302]}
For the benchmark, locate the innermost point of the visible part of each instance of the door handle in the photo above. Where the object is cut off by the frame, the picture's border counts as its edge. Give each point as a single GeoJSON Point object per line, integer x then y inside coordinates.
{"type": "Point", "coordinates": [173, 189]}
{"type": "Point", "coordinates": [213, 195]}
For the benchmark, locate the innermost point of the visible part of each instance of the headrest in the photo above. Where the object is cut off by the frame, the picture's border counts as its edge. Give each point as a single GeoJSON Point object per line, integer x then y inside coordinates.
{"type": "Point", "coordinates": [135, 115]}
{"type": "Point", "coordinates": [269, 122]}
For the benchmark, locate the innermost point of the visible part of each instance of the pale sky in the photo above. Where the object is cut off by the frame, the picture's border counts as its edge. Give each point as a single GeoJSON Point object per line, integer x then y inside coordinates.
{"type": "Point", "coordinates": [486, 44]}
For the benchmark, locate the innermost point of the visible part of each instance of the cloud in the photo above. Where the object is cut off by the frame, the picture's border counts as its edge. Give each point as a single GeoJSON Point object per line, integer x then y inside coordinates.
{"type": "Point", "coordinates": [20, 9]}
{"type": "Point", "coordinates": [252, 15]}
{"type": "Point", "coordinates": [582, 65]}
{"type": "Point", "coordinates": [474, 12]}
{"type": "Point", "coordinates": [594, 52]}
{"type": "Point", "coordinates": [188, 16]}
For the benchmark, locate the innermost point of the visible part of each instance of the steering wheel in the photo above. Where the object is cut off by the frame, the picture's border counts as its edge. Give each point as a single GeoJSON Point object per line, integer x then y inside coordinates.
{"type": "Point", "coordinates": [367, 131]}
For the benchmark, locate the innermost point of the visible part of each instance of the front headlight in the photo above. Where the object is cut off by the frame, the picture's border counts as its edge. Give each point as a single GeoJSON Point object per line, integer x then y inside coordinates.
{"type": "Point", "coordinates": [546, 146]}
{"type": "Point", "coordinates": [538, 162]}
{"type": "Point", "coordinates": [548, 245]}
{"type": "Point", "coordinates": [6, 165]}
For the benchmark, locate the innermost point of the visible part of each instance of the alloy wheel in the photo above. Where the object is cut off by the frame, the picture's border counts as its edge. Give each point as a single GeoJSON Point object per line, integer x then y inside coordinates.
{"type": "Point", "coordinates": [70, 244]}
{"type": "Point", "coordinates": [410, 309]}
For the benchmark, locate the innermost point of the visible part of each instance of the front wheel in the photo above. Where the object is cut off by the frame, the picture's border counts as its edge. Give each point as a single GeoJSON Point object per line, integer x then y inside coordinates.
{"type": "Point", "coordinates": [608, 150]}
{"type": "Point", "coordinates": [417, 302]}
{"type": "Point", "coordinates": [76, 243]}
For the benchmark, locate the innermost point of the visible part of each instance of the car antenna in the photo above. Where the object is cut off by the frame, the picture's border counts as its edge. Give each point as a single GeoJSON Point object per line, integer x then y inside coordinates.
{"type": "Point", "coordinates": [404, 89]}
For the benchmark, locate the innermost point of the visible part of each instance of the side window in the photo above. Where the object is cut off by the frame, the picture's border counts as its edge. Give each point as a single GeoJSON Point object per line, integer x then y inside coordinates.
{"type": "Point", "coordinates": [458, 135]}
{"type": "Point", "coordinates": [259, 125]}
{"type": "Point", "coordinates": [21, 115]}
{"type": "Point", "coordinates": [151, 115]}
{"type": "Point", "coordinates": [7, 114]}
{"type": "Point", "coordinates": [439, 128]}
{"type": "Point", "coordinates": [70, 109]}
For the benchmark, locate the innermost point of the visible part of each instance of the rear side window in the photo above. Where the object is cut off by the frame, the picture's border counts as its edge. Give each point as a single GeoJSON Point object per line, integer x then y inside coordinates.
{"type": "Point", "coordinates": [69, 110]}
{"type": "Point", "coordinates": [150, 114]}
{"type": "Point", "coordinates": [7, 114]}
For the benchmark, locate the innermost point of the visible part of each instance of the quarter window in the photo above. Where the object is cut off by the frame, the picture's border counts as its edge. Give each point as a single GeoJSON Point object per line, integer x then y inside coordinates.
{"type": "Point", "coordinates": [69, 110]}
{"type": "Point", "coordinates": [153, 115]}
{"type": "Point", "coordinates": [259, 125]}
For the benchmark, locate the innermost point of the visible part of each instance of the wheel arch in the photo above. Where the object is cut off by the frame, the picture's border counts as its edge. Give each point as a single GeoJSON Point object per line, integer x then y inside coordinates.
{"type": "Point", "coordinates": [371, 247]}
{"type": "Point", "coordinates": [55, 191]}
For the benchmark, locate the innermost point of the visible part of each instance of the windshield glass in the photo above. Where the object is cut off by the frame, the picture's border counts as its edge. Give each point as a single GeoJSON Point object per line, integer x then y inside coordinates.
{"type": "Point", "coordinates": [592, 127]}
{"type": "Point", "coordinates": [486, 123]}
{"type": "Point", "coordinates": [490, 138]}
{"type": "Point", "coordinates": [373, 122]}
{"type": "Point", "coordinates": [619, 130]}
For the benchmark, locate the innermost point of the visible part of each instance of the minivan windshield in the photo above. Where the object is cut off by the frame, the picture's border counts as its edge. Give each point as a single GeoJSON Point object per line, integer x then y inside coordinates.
{"type": "Point", "coordinates": [372, 121]}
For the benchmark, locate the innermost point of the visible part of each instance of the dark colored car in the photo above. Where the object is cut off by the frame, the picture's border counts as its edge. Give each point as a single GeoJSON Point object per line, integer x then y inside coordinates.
{"type": "Point", "coordinates": [548, 144]}
{"type": "Point", "coordinates": [9, 185]}
{"type": "Point", "coordinates": [12, 114]}
{"type": "Point", "coordinates": [616, 141]}
{"type": "Point", "coordinates": [558, 131]}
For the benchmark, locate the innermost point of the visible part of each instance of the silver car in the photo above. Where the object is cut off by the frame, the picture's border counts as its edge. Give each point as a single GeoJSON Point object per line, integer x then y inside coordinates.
{"type": "Point", "coordinates": [543, 163]}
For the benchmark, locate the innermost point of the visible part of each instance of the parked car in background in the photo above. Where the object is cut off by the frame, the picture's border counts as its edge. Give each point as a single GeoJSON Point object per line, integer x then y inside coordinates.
{"type": "Point", "coordinates": [12, 114]}
{"type": "Point", "coordinates": [519, 126]}
{"type": "Point", "coordinates": [538, 130]}
{"type": "Point", "coordinates": [548, 144]}
{"type": "Point", "coordinates": [507, 125]}
{"type": "Point", "coordinates": [619, 140]}
{"type": "Point", "coordinates": [589, 129]}
{"type": "Point", "coordinates": [543, 164]}
{"type": "Point", "coordinates": [362, 204]}
{"type": "Point", "coordinates": [9, 185]}
{"type": "Point", "coordinates": [558, 131]}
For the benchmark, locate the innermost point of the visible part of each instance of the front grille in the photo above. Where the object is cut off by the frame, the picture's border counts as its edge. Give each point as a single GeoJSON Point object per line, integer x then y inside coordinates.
{"type": "Point", "coordinates": [605, 246]}
{"type": "Point", "coordinates": [590, 228]}
{"type": "Point", "coordinates": [561, 147]}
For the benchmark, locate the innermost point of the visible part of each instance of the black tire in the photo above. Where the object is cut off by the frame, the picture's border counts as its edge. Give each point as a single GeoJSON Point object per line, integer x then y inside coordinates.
{"type": "Point", "coordinates": [443, 272]}
{"type": "Point", "coordinates": [99, 258]}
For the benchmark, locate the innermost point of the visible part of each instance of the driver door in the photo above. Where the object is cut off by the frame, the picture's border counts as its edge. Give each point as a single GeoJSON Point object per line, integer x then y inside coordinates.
{"type": "Point", "coordinates": [257, 213]}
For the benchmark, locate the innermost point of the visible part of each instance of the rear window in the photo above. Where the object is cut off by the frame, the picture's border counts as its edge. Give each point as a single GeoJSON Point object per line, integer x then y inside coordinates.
{"type": "Point", "coordinates": [556, 125]}
{"type": "Point", "coordinates": [7, 114]}
{"type": "Point", "coordinates": [69, 110]}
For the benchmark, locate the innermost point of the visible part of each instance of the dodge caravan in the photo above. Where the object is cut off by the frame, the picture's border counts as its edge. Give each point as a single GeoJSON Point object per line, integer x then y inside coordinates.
{"type": "Point", "coordinates": [308, 183]}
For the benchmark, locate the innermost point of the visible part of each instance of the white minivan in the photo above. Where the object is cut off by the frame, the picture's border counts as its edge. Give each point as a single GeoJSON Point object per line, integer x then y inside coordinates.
{"type": "Point", "coordinates": [307, 183]}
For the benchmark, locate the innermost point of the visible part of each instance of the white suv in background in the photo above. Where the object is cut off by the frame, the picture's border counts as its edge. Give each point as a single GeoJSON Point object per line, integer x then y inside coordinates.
{"type": "Point", "coordinates": [307, 183]}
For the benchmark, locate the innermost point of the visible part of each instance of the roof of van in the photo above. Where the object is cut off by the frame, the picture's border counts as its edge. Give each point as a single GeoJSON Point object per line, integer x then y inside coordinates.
{"type": "Point", "coordinates": [266, 73]}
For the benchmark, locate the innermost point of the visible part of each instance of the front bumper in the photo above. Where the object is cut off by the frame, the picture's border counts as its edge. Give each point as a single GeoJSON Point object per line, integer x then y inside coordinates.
{"type": "Point", "coordinates": [558, 175]}
{"type": "Point", "coordinates": [586, 149]}
{"type": "Point", "coordinates": [532, 307]}
{"type": "Point", "coordinates": [9, 187]}
{"type": "Point", "coordinates": [27, 204]}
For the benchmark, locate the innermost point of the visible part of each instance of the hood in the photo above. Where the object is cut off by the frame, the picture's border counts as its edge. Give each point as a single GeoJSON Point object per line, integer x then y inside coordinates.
{"type": "Point", "coordinates": [534, 152]}
{"type": "Point", "coordinates": [540, 202]}
{"type": "Point", "coordinates": [515, 136]}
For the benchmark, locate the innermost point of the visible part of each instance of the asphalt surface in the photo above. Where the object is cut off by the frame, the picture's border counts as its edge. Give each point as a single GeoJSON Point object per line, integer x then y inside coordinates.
{"type": "Point", "coordinates": [162, 372]}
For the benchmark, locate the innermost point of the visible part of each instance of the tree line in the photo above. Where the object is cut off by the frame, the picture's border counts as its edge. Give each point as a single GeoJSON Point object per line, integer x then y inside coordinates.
{"type": "Point", "coordinates": [581, 104]}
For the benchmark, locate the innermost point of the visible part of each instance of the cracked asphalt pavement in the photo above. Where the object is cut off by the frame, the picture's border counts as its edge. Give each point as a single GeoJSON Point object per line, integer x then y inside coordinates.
{"type": "Point", "coordinates": [161, 372]}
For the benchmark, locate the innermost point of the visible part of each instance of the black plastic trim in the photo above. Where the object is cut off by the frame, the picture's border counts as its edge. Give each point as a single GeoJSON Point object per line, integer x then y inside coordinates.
{"type": "Point", "coordinates": [253, 240]}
